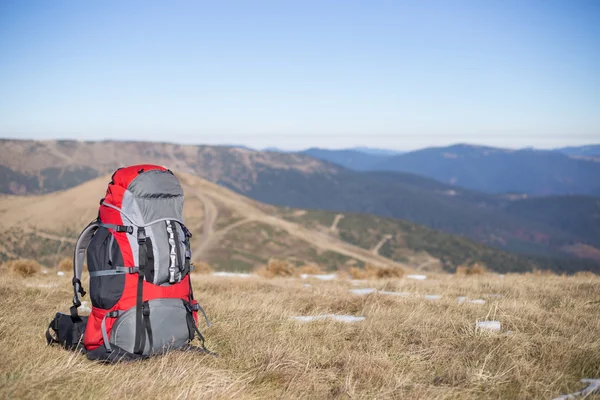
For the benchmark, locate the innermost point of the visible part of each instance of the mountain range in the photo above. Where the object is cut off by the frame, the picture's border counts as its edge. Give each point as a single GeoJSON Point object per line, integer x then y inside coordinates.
{"type": "Point", "coordinates": [559, 227]}
{"type": "Point", "coordinates": [493, 170]}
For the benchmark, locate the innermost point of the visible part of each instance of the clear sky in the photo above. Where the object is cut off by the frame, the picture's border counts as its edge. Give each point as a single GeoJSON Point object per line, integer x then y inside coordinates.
{"type": "Point", "coordinates": [295, 74]}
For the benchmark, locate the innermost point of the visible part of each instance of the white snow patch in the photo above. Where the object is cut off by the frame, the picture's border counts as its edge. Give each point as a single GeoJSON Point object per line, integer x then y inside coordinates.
{"type": "Point", "coordinates": [60, 273]}
{"type": "Point", "coordinates": [432, 296]}
{"type": "Point", "coordinates": [417, 277]}
{"type": "Point", "coordinates": [44, 271]}
{"type": "Point", "coordinates": [323, 277]}
{"type": "Point", "coordinates": [362, 291]}
{"type": "Point", "coordinates": [593, 387]}
{"type": "Point", "coordinates": [335, 317]}
{"type": "Point", "coordinates": [493, 326]}
{"type": "Point", "coordinates": [461, 299]}
{"type": "Point", "coordinates": [356, 282]}
{"type": "Point", "coordinates": [41, 285]}
{"type": "Point", "coordinates": [477, 301]}
{"type": "Point", "coordinates": [231, 274]}
{"type": "Point", "coordinates": [306, 285]}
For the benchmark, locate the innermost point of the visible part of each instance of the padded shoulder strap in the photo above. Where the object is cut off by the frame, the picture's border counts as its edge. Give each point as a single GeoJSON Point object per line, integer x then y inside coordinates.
{"type": "Point", "coordinates": [80, 247]}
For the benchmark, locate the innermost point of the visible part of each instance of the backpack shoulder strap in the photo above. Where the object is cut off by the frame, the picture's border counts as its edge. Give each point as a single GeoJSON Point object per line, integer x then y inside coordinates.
{"type": "Point", "coordinates": [78, 257]}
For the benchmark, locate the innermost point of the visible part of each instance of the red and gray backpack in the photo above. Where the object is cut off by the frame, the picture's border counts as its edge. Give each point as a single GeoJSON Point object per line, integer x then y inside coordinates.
{"type": "Point", "coordinates": [138, 257]}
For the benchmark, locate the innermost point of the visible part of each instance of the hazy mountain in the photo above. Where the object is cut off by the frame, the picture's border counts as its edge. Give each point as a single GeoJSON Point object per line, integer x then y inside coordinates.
{"type": "Point", "coordinates": [582, 151]}
{"type": "Point", "coordinates": [493, 170]}
{"type": "Point", "coordinates": [355, 159]}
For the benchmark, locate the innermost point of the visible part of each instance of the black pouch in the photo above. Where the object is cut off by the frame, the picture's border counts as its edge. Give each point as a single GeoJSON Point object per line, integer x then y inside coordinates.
{"type": "Point", "coordinates": [67, 331]}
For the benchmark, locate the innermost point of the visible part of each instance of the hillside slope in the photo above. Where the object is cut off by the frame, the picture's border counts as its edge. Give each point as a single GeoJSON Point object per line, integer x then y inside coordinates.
{"type": "Point", "coordinates": [296, 180]}
{"type": "Point", "coordinates": [236, 233]}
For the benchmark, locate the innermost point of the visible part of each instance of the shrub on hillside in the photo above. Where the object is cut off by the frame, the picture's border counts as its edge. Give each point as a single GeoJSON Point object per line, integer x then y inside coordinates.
{"type": "Point", "coordinates": [383, 271]}
{"type": "Point", "coordinates": [542, 272]}
{"type": "Point", "coordinates": [311, 269]}
{"type": "Point", "coordinates": [23, 267]}
{"type": "Point", "coordinates": [277, 268]}
{"type": "Point", "coordinates": [357, 273]}
{"type": "Point", "coordinates": [372, 271]}
{"type": "Point", "coordinates": [66, 265]}
{"type": "Point", "coordinates": [585, 274]}
{"type": "Point", "coordinates": [470, 270]}
{"type": "Point", "coordinates": [202, 268]}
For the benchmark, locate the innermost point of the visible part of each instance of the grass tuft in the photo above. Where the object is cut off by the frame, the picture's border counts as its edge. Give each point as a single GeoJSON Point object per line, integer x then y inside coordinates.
{"type": "Point", "coordinates": [277, 268]}
{"type": "Point", "coordinates": [66, 265]}
{"type": "Point", "coordinates": [23, 267]}
{"type": "Point", "coordinates": [471, 270]}
{"type": "Point", "coordinates": [202, 268]}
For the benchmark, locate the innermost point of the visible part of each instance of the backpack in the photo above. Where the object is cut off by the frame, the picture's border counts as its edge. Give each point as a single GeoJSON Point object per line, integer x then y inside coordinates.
{"type": "Point", "coordinates": [138, 257]}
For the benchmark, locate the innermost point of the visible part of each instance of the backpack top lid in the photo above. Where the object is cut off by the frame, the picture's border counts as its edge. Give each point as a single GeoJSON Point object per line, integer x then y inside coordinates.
{"type": "Point", "coordinates": [143, 194]}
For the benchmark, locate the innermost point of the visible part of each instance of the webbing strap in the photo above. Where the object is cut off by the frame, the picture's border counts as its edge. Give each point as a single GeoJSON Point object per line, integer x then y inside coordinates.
{"type": "Point", "coordinates": [80, 247]}
{"type": "Point", "coordinates": [115, 271]}
{"type": "Point", "coordinates": [146, 312]}
{"type": "Point", "coordinates": [119, 228]}
{"type": "Point", "coordinates": [140, 336]}
{"type": "Point", "coordinates": [111, 314]}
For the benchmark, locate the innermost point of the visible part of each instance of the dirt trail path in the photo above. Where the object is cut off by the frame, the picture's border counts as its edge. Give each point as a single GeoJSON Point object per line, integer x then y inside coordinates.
{"type": "Point", "coordinates": [211, 213]}
{"type": "Point", "coordinates": [217, 195]}
{"type": "Point", "coordinates": [378, 246]}
{"type": "Point", "coordinates": [333, 227]}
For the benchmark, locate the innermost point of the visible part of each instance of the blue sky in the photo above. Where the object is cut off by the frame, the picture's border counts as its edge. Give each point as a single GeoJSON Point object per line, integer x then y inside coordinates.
{"type": "Point", "coordinates": [333, 74]}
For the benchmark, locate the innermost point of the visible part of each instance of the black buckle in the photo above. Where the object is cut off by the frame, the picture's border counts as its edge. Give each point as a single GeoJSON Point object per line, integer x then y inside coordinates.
{"type": "Point", "coordinates": [146, 309]}
{"type": "Point", "coordinates": [133, 270]}
{"type": "Point", "coordinates": [75, 282]}
{"type": "Point", "coordinates": [113, 314]}
{"type": "Point", "coordinates": [141, 236]}
{"type": "Point", "coordinates": [125, 228]}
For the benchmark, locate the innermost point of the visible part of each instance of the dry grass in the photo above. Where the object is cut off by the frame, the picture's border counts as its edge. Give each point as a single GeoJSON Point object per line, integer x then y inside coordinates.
{"type": "Point", "coordinates": [471, 270]}
{"type": "Point", "coordinates": [277, 268]}
{"type": "Point", "coordinates": [406, 348]}
{"type": "Point", "coordinates": [311, 269]}
{"type": "Point", "coordinates": [66, 265]}
{"type": "Point", "coordinates": [23, 267]}
{"type": "Point", "coordinates": [202, 268]}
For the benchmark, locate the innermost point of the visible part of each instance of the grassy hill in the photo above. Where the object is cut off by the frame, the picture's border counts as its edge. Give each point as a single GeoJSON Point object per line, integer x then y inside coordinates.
{"type": "Point", "coordinates": [300, 181]}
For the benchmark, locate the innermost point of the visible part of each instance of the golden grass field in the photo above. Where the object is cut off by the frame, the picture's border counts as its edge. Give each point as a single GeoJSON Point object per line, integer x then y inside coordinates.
{"type": "Point", "coordinates": [407, 347]}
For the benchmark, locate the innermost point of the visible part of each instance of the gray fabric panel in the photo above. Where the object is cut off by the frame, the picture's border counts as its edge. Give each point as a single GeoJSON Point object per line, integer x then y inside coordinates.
{"type": "Point", "coordinates": [161, 253]}
{"type": "Point", "coordinates": [169, 326]}
{"type": "Point", "coordinates": [156, 184]}
{"type": "Point", "coordinates": [161, 208]}
{"type": "Point", "coordinates": [145, 210]}
{"type": "Point", "coordinates": [131, 210]}
{"type": "Point", "coordinates": [169, 323]}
